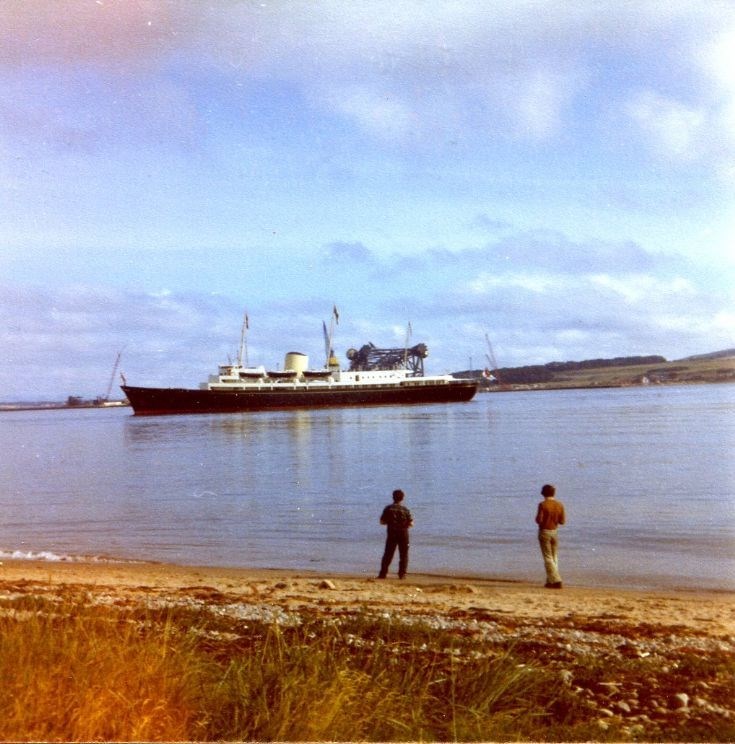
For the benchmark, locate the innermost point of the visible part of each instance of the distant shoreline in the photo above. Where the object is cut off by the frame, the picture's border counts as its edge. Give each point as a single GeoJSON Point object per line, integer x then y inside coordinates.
{"type": "Point", "coordinates": [60, 406]}
{"type": "Point", "coordinates": [705, 369]}
{"type": "Point", "coordinates": [708, 369]}
{"type": "Point", "coordinates": [510, 388]}
{"type": "Point", "coordinates": [534, 387]}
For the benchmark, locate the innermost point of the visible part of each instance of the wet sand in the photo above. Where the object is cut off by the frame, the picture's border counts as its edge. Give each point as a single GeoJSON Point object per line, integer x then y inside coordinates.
{"type": "Point", "coordinates": [707, 612]}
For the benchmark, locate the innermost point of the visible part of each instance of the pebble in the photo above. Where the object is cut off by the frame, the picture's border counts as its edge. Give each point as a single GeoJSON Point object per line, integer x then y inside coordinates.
{"type": "Point", "coordinates": [629, 649]}
{"type": "Point", "coordinates": [644, 704]}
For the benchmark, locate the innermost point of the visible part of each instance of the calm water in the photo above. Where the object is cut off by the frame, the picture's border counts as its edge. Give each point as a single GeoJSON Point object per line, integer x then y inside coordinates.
{"type": "Point", "coordinates": [647, 477]}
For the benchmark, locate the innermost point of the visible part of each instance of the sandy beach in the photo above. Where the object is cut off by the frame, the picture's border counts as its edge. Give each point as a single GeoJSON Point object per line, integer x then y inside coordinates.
{"type": "Point", "coordinates": [558, 628]}
{"type": "Point", "coordinates": [705, 613]}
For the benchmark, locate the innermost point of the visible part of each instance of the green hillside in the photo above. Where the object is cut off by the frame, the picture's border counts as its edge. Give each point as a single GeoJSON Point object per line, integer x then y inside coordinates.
{"type": "Point", "coordinates": [619, 372]}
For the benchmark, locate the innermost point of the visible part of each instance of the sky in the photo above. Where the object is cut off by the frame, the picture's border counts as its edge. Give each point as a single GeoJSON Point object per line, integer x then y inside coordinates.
{"type": "Point", "coordinates": [557, 175]}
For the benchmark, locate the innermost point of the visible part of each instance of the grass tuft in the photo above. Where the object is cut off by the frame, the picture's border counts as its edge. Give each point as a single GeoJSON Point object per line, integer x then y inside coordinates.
{"type": "Point", "coordinates": [74, 672]}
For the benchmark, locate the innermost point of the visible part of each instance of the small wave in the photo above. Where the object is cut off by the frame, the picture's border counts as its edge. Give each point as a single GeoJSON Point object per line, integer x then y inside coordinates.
{"type": "Point", "coordinates": [51, 557]}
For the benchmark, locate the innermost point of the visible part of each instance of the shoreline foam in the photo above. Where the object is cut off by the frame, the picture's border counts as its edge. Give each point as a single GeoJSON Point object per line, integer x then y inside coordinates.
{"type": "Point", "coordinates": [607, 582]}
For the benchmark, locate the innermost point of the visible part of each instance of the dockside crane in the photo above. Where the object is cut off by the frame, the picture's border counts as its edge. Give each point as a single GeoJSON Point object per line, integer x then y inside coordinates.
{"type": "Point", "coordinates": [370, 356]}
{"type": "Point", "coordinates": [106, 397]}
{"type": "Point", "coordinates": [491, 361]}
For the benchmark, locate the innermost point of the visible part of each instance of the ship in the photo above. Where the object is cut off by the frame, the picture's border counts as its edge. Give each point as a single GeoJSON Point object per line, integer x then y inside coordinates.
{"type": "Point", "coordinates": [375, 377]}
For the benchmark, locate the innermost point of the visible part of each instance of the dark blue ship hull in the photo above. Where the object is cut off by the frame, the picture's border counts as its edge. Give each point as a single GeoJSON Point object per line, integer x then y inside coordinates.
{"type": "Point", "coordinates": [159, 401]}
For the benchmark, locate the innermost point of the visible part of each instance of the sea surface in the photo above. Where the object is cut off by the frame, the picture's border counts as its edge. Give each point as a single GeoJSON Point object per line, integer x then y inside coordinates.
{"type": "Point", "coordinates": [647, 476]}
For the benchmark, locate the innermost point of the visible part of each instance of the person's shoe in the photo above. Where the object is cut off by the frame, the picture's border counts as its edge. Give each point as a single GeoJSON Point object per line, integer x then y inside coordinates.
{"type": "Point", "coordinates": [556, 585]}
{"type": "Point", "coordinates": [402, 577]}
{"type": "Point", "coordinates": [379, 577]}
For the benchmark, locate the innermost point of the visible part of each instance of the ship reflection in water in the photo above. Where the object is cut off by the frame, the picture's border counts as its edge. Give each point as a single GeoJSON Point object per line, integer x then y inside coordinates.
{"type": "Point", "coordinates": [304, 489]}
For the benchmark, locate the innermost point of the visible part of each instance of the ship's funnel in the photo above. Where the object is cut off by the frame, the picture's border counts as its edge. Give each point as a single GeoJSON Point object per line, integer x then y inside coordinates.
{"type": "Point", "coordinates": [297, 361]}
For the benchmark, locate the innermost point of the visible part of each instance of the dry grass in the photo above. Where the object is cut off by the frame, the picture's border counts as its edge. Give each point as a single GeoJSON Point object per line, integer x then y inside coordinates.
{"type": "Point", "coordinates": [73, 673]}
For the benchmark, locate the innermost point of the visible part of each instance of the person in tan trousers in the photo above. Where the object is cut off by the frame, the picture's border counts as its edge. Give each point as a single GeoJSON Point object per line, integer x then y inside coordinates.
{"type": "Point", "coordinates": [549, 515]}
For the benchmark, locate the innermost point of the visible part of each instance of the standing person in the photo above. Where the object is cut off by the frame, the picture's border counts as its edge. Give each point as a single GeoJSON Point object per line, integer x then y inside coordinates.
{"type": "Point", "coordinates": [397, 518]}
{"type": "Point", "coordinates": [549, 516]}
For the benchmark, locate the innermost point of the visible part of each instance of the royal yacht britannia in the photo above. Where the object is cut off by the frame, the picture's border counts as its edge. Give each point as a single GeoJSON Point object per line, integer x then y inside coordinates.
{"type": "Point", "coordinates": [374, 377]}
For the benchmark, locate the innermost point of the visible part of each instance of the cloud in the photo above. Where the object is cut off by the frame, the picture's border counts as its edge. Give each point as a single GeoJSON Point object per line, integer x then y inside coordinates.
{"type": "Point", "coordinates": [537, 100]}
{"type": "Point", "coordinates": [546, 253]}
{"type": "Point", "coordinates": [377, 112]}
{"type": "Point", "coordinates": [546, 297]}
{"type": "Point", "coordinates": [69, 335]}
{"type": "Point", "coordinates": [718, 63]}
{"type": "Point", "coordinates": [578, 317]}
{"type": "Point", "coordinates": [246, 134]}
{"type": "Point", "coordinates": [489, 224]}
{"type": "Point", "coordinates": [643, 288]}
{"type": "Point", "coordinates": [542, 296]}
{"type": "Point", "coordinates": [576, 300]}
{"type": "Point", "coordinates": [402, 72]}
{"type": "Point", "coordinates": [350, 253]}
{"type": "Point", "coordinates": [673, 129]}
{"type": "Point", "coordinates": [53, 32]}
{"type": "Point", "coordinates": [486, 282]}
{"type": "Point", "coordinates": [68, 114]}
{"type": "Point", "coordinates": [688, 115]}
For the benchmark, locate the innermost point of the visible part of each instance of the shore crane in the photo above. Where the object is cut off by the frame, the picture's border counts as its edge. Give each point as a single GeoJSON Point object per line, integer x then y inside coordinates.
{"type": "Point", "coordinates": [491, 361]}
{"type": "Point", "coordinates": [106, 397]}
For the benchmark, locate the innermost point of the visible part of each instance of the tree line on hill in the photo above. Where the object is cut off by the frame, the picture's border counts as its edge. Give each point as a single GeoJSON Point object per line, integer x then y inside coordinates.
{"type": "Point", "coordinates": [545, 372]}
{"type": "Point", "coordinates": [538, 373]}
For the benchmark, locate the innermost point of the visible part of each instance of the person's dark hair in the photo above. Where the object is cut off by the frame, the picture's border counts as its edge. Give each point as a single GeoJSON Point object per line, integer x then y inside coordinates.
{"type": "Point", "coordinates": [398, 495]}
{"type": "Point", "coordinates": [548, 490]}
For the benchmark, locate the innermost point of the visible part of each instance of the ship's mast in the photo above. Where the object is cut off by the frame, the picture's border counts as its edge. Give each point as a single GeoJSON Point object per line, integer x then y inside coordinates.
{"type": "Point", "coordinates": [334, 319]}
{"type": "Point", "coordinates": [405, 346]}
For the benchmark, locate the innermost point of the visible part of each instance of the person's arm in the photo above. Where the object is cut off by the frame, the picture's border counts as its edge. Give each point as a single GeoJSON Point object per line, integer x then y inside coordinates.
{"type": "Point", "coordinates": [539, 512]}
{"type": "Point", "coordinates": [561, 514]}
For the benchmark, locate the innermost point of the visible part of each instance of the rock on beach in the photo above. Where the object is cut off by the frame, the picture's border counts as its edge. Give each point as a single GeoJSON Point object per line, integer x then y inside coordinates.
{"type": "Point", "coordinates": [663, 649]}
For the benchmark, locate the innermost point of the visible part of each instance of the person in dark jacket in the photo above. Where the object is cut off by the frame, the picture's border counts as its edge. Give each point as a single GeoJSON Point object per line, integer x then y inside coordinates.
{"type": "Point", "coordinates": [397, 519]}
